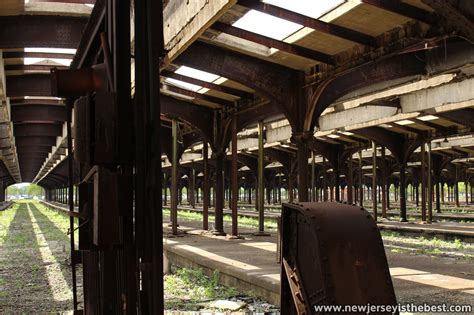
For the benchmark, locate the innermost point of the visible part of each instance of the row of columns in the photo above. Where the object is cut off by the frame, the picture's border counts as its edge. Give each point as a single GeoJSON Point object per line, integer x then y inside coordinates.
{"type": "Point", "coordinates": [355, 193]}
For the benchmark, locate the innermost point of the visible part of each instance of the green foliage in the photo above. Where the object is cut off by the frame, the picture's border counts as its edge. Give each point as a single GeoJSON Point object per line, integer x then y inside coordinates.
{"type": "Point", "coordinates": [32, 190]}
{"type": "Point", "coordinates": [190, 289]}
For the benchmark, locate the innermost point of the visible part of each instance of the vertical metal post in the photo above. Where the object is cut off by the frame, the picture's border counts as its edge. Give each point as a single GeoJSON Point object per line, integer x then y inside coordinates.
{"type": "Point", "coordinates": [337, 181]}
{"type": "Point", "coordinates": [260, 187]}
{"type": "Point", "coordinates": [205, 193]}
{"type": "Point", "coordinates": [302, 164]}
{"type": "Point", "coordinates": [235, 187]}
{"type": "Point", "coordinates": [430, 186]}
{"type": "Point", "coordinates": [350, 182]}
{"type": "Point", "coordinates": [325, 180]}
{"type": "Point", "coordinates": [423, 182]}
{"type": "Point", "coordinates": [69, 107]}
{"type": "Point", "coordinates": [174, 176]}
{"type": "Point", "coordinates": [384, 184]}
{"type": "Point", "coordinates": [403, 203]}
{"type": "Point", "coordinates": [165, 189]}
{"type": "Point", "coordinates": [456, 186]}
{"type": "Point", "coordinates": [313, 176]}
{"type": "Point", "coordinates": [192, 188]}
{"type": "Point", "coordinates": [219, 194]}
{"type": "Point", "coordinates": [374, 179]}
{"type": "Point", "coordinates": [361, 184]}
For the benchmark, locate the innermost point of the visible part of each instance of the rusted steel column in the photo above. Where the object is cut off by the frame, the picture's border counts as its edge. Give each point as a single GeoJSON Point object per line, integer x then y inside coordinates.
{"type": "Point", "coordinates": [387, 187]}
{"type": "Point", "coordinates": [165, 189]}
{"type": "Point", "coordinates": [302, 164]}
{"type": "Point", "coordinates": [235, 187]}
{"type": "Point", "coordinates": [361, 184]}
{"type": "Point", "coordinates": [384, 184]}
{"type": "Point", "coordinates": [205, 192]}
{"type": "Point", "coordinates": [423, 182]}
{"type": "Point", "coordinates": [279, 188]}
{"type": "Point", "coordinates": [260, 186]}
{"type": "Point", "coordinates": [350, 182]}
{"type": "Point", "coordinates": [313, 176]}
{"type": "Point", "coordinates": [430, 184]}
{"type": "Point", "coordinates": [337, 182]}
{"type": "Point", "coordinates": [174, 176]}
{"type": "Point", "coordinates": [403, 202]}
{"type": "Point", "coordinates": [438, 201]}
{"type": "Point", "coordinates": [456, 186]}
{"type": "Point", "coordinates": [374, 179]}
{"type": "Point", "coordinates": [192, 188]}
{"type": "Point", "coordinates": [219, 189]}
{"type": "Point", "coordinates": [69, 109]}
{"type": "Point", "coordinates": [466, 188]}
{"type": "Point", "coordinates": [325, 180]}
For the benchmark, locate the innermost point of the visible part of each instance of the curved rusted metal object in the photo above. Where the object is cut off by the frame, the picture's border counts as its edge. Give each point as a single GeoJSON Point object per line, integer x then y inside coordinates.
{"type": "Point", "coordinates": [336, 252]}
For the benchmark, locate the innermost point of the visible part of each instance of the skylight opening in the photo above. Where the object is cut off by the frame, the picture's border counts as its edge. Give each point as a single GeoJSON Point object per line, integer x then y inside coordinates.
{"type": "Point", "coordinates": [51, 50]}
{"type": "Point", "coordinates": [197, 74]}
{"type": "Point", "coordinates": [267, 25]}
{"type": "Point", "coordinates": [49, 61]}
{"type": "Point", "coordinates": [428, 118]}
{"type": "Point", "coordinates": [404, 122]}
{"type": "Point", "coordinates": [311, 8]}
{"type": "Point", "coordinates": [184, 85]}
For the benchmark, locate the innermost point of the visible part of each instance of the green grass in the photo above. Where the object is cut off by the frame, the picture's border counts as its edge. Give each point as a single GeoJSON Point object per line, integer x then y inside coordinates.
{"type": "Point", "coordinates": [400, 243]}
{"type": "Point", "coordinates": [190, 289]}
{"type": "Point", "coordinates": [243, 221]}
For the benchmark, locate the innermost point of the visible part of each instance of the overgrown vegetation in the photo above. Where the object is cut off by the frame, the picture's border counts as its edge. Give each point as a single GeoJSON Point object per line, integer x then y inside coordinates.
{"type": "Point", "coordinates": [243, 221]}
{"type": "Point", "coordinates": [190, 289]}
{"type": "Point", "coordinates": [34, 251]}
{"type": "Point", "coordinates": [400, 243]}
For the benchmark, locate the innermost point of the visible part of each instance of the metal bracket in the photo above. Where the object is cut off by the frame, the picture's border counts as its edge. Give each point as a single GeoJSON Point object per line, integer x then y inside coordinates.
{"type": "Point", "coordinates": [296, 288]}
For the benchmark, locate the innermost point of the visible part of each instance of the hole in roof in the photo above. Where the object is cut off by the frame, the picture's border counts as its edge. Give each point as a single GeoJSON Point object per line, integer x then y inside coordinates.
{"type": "Point", "coordinates": [184, 85]}
{"type": "Point", "coordinates": [267, 25]}
{"type": "Point", "coordinates": [311, 8]}
{"type": "Point", "coordinates": [51, 50]}
{"type": "Point", "coordinates": [48, 61]}
{"type": "Point", "coordinates": [197, 74]}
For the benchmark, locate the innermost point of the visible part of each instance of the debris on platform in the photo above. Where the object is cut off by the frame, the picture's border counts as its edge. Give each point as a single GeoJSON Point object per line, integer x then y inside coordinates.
{"type": "Point", "coordinates": [227, 305]}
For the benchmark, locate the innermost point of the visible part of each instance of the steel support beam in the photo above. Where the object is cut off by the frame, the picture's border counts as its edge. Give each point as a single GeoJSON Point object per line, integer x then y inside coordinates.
{"type": "Point", "coordinates": [174, 178]}
{"type": "Point", "coordinates": [423, 182]}
{"type": "Point", "coordinates": [235, 183]}
{"type": "Point", "coordinates": [403, 203]}
{"type": "Point", "coordinates": [41, 31]}
{"type": "Point", "coordinates": [374, 180]}
{"type": "Point", "coordinates": [315, 24]}
{"type": "Point", "coordinates": [205, 191]}
{"type": "Point", "coordinates": [273, 43]}
{"type": "Point", "coordinates": [430, 184]}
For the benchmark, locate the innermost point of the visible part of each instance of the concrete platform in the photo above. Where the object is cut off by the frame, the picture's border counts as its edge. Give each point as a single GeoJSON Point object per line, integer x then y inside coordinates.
{"type": "Point", "coordinates": [250, 265]}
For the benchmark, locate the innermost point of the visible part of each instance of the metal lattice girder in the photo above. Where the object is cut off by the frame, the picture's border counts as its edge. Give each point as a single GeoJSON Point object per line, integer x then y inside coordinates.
{"type": "Point", "coordinates": [41, 31]}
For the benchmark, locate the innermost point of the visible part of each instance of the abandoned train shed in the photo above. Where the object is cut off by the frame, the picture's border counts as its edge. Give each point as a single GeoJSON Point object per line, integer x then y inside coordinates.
{"type": "Point", "coordinates": [123, 109]}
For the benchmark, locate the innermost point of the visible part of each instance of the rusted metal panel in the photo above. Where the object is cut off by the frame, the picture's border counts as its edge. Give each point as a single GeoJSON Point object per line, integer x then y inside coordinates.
{"type": "Point", "coordinates": [77, 82]}
{"type": "Point", "coordinates": [105, 120]}
{"type": "Point", "coordinates": [105, 223]}
{"type": "Point", "coordinates": [334, 255]}
{"type": "Point", "coordinates": [81, 130]}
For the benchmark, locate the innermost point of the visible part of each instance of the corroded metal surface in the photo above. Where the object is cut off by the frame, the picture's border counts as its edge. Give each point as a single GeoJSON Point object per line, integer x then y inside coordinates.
{"type": "Point", "coordinates": [337, 254]}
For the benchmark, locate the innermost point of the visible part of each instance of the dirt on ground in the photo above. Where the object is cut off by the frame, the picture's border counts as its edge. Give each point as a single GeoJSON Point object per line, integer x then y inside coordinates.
{"type": "Point", "coordinates": [35, 276]}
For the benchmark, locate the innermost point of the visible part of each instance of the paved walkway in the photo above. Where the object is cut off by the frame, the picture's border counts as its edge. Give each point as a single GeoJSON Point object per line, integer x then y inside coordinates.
{"type": "Point", "coordinates": [250, 263]}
